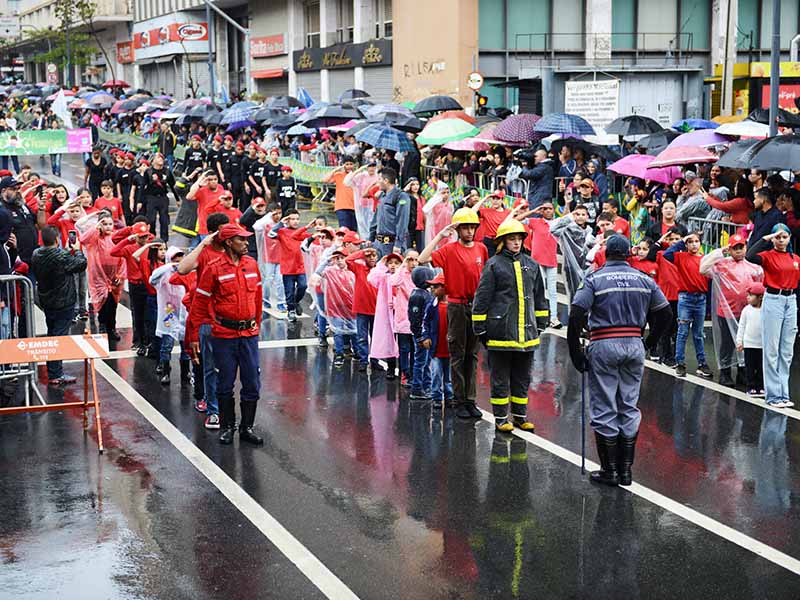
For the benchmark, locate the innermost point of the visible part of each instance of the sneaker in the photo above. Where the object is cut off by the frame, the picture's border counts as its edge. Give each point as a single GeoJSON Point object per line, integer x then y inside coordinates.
{"type": "Point", "coordinates": [83, 315]}
{"type": "Point", "coordinates": [753, 393]}
{"type": "Point", "coordinates": [292, 316]}
{"type": "Point", "coordinates": [555, 324]}
{"type": "Point", "coordinates": [704, 371]}
{"type": "Point", "coordinates": [63, 380]}
{"type": "Point", "coordinates": [775, 403]}
{"type": "Point", "coordinates": [266, 304]}
{"type": "Point", "coordinates": [655, 357]}
{"type": "Point", "coordinates": [322, 343]}
{"type": "Point", "coordinates": [281, 308]}
{"type": "Point", "coordinates": [299, 310]}
{"type": "Point", "coordinates": [338, 360]}
{"type": "Point", "coordinates": [212, 422]}
{"type": "Point", "coordinates": [377, 367]}
{"type": "Point", "coordinates": [668, 362]}
{"type": "Point", "coordinates": [680, 370]}
{"type": "Point", "coordinates": [141, 350]}
{"type": "Point", "coordinates": [787, 404]}
{"type": "Point", "coordinates": [200, 406]}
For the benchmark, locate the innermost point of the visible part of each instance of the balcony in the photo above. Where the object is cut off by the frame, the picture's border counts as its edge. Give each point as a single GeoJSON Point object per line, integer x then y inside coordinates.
{"type": "Point", "coordinates": [42, 15]}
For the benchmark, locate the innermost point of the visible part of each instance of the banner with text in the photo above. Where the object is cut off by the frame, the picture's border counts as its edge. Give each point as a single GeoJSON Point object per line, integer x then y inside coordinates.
{"type": "Point", "coordinates": [48, 141]}
{"type": "Point", "coordinates": [595, 101]}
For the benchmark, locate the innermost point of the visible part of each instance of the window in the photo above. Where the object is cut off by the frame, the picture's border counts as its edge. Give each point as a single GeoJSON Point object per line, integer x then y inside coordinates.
{"type": "Point", "coordinates": [747, 27]}
{"type": "Point", "coordinates": [660, 25]}
{"type": "Point", "coordinates": [789, 16]}
{"type": "Point", "coordinates": [568, 26]}
{"type": "Point", "coordinates": [344, 21]}
{"type": "Point", "coordinates": [383, 18]}
{"type": "Point", "coordinates": [695, 31]}
{"type": "Point", "coordinates": [623, 24]}
{"type": "Point", "coordinates": [528, 24]}
{"type": "Point", "coordinates": [490, 24]}
{"type": "Point", "coordinates": [312, 25]}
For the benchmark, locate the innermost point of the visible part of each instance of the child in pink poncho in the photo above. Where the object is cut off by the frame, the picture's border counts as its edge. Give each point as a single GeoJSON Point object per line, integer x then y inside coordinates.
{"type": "Point", "coordinates": [402, 285]}
{"type": "Point", "coordinates": [384, 344]}
{"type": "Point", "coordinates": [438, 214]}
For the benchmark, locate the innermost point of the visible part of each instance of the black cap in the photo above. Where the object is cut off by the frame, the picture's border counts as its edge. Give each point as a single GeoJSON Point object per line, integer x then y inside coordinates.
{"type": "Point", "coordinates": [8, 182]}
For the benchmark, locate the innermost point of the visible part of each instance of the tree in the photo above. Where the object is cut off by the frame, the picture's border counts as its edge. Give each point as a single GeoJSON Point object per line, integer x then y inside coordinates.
{"type": "Point", "coordinates": [81, 53]}
{"type": "Point", "coordinates": [86, 10]}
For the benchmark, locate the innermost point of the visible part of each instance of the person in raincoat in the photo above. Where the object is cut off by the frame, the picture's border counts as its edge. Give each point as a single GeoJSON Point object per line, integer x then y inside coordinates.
{"type": "Point", "coordinates": [383, 344]}
{"type": "Point", "coordinates": [509, 310]}
{"type": "Point", "coordinates": [438, 214]}
{"type": "Point", "coordinates": [361, 180]}
{"type": "Point", "coordinates": [402, 286]}
{"type": "Point", "coordinates": [338, 285]}
{"type": "Point", "coordinates": [105, 273]}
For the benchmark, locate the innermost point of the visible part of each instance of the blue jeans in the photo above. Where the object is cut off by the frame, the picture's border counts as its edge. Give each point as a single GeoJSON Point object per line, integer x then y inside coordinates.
{"type": "Point", "coordinates": [421, 378]}
{"type": "Point", "coordinates": [364, 334]}
{"type": "Point", "coordinates": [550, 276]}
{"type": "Point", "coordinates": [150, 317]}
{"type": "Point", "coordinates": [55, 164]}
{"type": "Point", "coordinates": [170, 160]}
{"type": "Point", "coordinates": [405, 342]}
{"type": "Point", "coordinates": [322, 322]}
{"type": "Point", "coordinates": [209, 369]}
{"type": "Point", "coordinates": [273, 282]}
{"type": "Point", "coordinates": [58, 323]}
{"type": "Point", "coordinates": [441, 386]}
{"type": "Point", "coordinates": [167, 342]}
{"type": "Point", "coordinates": [691, 313]}
{"type": "Point", "coordinates": [347, 218]}
{"type": "Point", "coordinates": [341, 342]}
{"type": "Point", "coordinates": [778, 333]}
{"type": "Point", "coordinates": [237, 355]}
{"type": "Point", "coordinates": [294, 286]}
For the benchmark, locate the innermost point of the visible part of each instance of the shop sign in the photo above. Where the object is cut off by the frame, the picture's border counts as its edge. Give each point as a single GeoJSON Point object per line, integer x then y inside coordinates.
{"type": "Point", "coordinates": [174, 32]}
{"type": "Point", "coordinates": [271, 45]}
{"type": "Point", "coordinates": [787, 94]}
{"type": "Point", "coordinates": [595, 101]}
{"type": "Point", "coordinates": [125, 53]}
{"type": "Point", "coordinates": [374, 53]}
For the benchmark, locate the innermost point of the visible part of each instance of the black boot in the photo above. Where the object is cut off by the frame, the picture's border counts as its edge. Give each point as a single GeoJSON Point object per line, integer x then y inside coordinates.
{"type": "Point", "coordinates": [186, 371]}
{"type": "Point", "coordinates": [725, 377]}
{"type": "Point", "coordinates": [166, 368]}
{"type": "Point", "coordinates": [607, 450]}
{"type": "Point", "coordinates": [246, 433]}
{"type": "Point", "coordinates": [627, 447]}
{"type": "Point", "coordinates": [227, 420]}
{"type": "Point", "coordinates": [160, 367]}
{"type": "Point", "coordinates": [741, 380]}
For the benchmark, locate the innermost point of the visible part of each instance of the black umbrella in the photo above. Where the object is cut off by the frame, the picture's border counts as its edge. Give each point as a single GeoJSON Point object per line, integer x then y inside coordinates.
{"type": "Point", "coordinates": [186, 120]}
{"type": "Point", "coordinates": [775, 154]}
{"type": "Point", "coordinates": [266, 113]}
{"type": "Point", "coordinates": [214, 118]}
{"type": "Point", "coordinates": [284, 121]}
{"type": "Point", "coordinates": [657, 142]}
{"type": "Point", "coordinates": [284, 102]}
{"type": "Point", "coordinates": [633, 125]}
{"type": "Point", "coordinates": [356, 128]}
{"type": "Point", "coordinates": [352, 94]}
{"type": "Point", "coordinates": [203, 110]}
{"type": "Point", "coordinates": [401, 121]}
{"type": "Point", "coordinates": [785, 118]}
{"type": "Point", "coordinates": [486, 119]}
{"type": "Point", "coordinates": [333, 114]}
{"type": "Point", "coordinates": [501, 112]}
{"type": "Point", "coordinates": [732, 157]}
{"type": "Point", "coordinates": [433, 104]}
{"type": "Point", "coordinates": [360, 102]}
{"type": "Point", "coordinates": [589, 149]}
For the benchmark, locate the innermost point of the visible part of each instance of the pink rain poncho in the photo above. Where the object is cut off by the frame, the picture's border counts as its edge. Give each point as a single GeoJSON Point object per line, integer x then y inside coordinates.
{"type": "Point", "coordinates": [402, 285]}
{"type": "Point", "coordinates": [361, 182]}
{"type": "Point", "coordinates": [105, 273]}
{"type": "Point", "coordinates": [438, 215]}
{"type": "Point", "coordinates": [384, 344]}
{"type": "Point", "coordinates": [339, 287]}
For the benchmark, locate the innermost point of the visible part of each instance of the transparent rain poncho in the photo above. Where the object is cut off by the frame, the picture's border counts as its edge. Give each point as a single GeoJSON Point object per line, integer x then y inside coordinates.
{"type": "Point", "coordinates": [171, 319]}
{"type": "Point", "coordinates": [362, 201]}
{"type": "Point", "coordinates": [338, 286]}
{"type": "Point", "coordinates": [105, 273]}
{"type": "Point", "coordinates": [438, 215]}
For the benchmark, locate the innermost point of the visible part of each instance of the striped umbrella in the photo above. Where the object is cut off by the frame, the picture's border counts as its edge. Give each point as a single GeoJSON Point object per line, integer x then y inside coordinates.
{"type": "Point", "coordinates": [447, 130]}
{"type": "Point", "coordinates": [237, 115]}
{"type": "Point", "coordinates": [518, 129]}
{"type": "Point", "coordinates": [683, 155]}
{"type": "Point", "coordinates": [467, 145]}
{"type": "Point", "coordinates": [385, 137]}
{"type": "Point", "coordinates": [564, 123]}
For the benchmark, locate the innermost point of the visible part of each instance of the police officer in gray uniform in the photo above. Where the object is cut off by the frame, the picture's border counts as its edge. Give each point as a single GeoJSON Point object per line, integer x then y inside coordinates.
{"type": "Point", "coordinates": [618, 301]}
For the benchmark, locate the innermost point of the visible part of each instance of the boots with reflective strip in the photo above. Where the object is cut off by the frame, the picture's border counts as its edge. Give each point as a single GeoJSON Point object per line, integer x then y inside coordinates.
{"type": "Point", "coordinates": [500, 410]}
{"type": "Point", "coordinates": [627, 448]}
{"type": "Point", "coordinates": [519, 413]}
{"type": "Point", "coordinates": [607, 451]}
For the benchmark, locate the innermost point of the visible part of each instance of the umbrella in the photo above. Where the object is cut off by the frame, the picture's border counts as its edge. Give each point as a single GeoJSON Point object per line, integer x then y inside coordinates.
{"type": "Point", "coordinates": [203, 110]}
{"type": "Point", "coordinates": [77, 103]}
{"type": "Point", "coordinates": [401, 121]}
{"type": "Point", "coordinates": [185, 120]}
{"type": "Point", "coordinates": [785, 118]}
{"type": "Point", "coordinates": [690, 124]}
{"type": "Point", "coordinates": [97, 97]}
{"type": "Point", "coordinates": [657, 142]}
{"type": "Point", "coordinates": [245, 104]}
{"type": "Point", "coordinates": [239, 125]}
{"type": "Point", "coordinates": [334, 114]}
{"type": "Point", "coordinates": [433, 104]}
{"type": "Point", "coordinates": [736, 156]}
{"type": "Point", "coordinates": [300, 129]}
{"type": "Point", "coordinates": [284, 102]}
{"type": "Point", "coordinates": [213, 118]}
{"type": "Point", "coordinates": [123, 106]}
{"type": "Point", "coordinates": [683, 155]}
{"type": "Point", "coordinates": [447, 130]}
{"type": "Point", "coordinates": [775, 154]}
{"type": "Point", "coordinates": [266, 113]}
{"type": "Point", "coordinates": [115, 83]}
{"type": "Point", "coordinates": [357, 127]}
{"type": "Point", "coordinates": [184, 106]}
{"type": "Point", "coordinates": [85, 91]}
{"type": "Point", "coordinates": [343, 127]}
{"type": "Point", "coordinates": [376, 109]}
{"type": "Point", "coordinates": [518, 129]}
{"type": "Point", "coordinates": [702, 138]}
{"type": "Point", "coordinates": [99, 105]}
{"type": "Point", "coordinates": [467, 145]}
{"type": "Point", "coordinates": [486, 120]}
{"type": "Point", "coordinates": [237, 115]}
{"type": "Point", "coordinates": [633, 125]}
{"type": "Point", "coordinates": [360, 102]}
{"type": "Point", "coordinates": [638, 165]}
{"type": "Point", "coordinates": [385, 137]}
{"type": "Point", "coordinates": [746, 128]}
{"type": "Point", "coordinates": [352, 95]}
{"type": "Point", "coordinates": [284, 121]}
{"type": "Point", "coordinates": [588, 148]}
{"type": "Point", "coordinates": [487, 135]}
{"type": "Point", "coordinates": [564, 123]}
{"type": "Point", "coordinates": [453, 114]}
{"type": "Point", "coordinates": [500, 112]}
{"type": "Point", "coordinates": [52, 97]}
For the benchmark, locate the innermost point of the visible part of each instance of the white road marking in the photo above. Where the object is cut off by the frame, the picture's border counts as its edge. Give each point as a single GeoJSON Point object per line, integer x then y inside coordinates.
{"type": "Point", "coordinates": [308, 564]}
{"type": "Point", "coordinates": [711, 525]}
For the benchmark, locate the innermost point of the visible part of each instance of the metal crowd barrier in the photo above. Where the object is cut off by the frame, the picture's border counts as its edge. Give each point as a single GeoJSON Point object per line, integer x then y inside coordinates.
{"type": "Point", "coordinates": [16, 321]}
{"type": "Point", "coordinates": [715, 233]}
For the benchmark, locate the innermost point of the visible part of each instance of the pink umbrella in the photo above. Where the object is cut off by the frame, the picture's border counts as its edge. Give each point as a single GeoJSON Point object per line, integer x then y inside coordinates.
{"type": "Point", "coordinates": [638, 165]}
{"type": "Point", "coordinates": [487, 135]}
{"type": "Point", "coordinates": [702, 138]}
{"type": "Point", "coordinates": [343, 126]}
{"type": "Point", "coordinates": [468, 145]}
{"type": "Point", "coordinates": [52, 97]}
{"type": "Point", "coordinates": [77, 103]}
{"type": "Point", "coordinates": [683, 155]}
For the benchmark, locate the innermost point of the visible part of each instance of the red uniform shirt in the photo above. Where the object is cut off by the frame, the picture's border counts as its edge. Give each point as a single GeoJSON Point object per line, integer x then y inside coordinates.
{"type": "Point", "coordinates": [208, 255]}
{"type": "Point", "coordinates": [291, 255]}
{"type": "Point", "coordinates": [462, 268]}
{"type": "Point", "coordinates": [689, 278]}
{"type": "Point", "coordinates": [781, 269]}
{"type": "Point", "coordinates": [622, 227]}
{"type": "Point", "coordinates": [207, 201]}
{"type": "Point", "coordinates": [442, 349]}
{"type": "Point", "coordinates": [650, 267]}
{"type": "Point", "coordinates": [125, 249]}
{"type": "Point", "coordinates": [668, 278]}
{"type": "Point", "coordinates": [599, 259]}
{"type": "Point", "coordinates": [232, 213]}
{"type": "Point", "coordinates": [234, 290]}
{"type": "Point", "coordinates": [147, 269]}
{"type": "Point", "coordinates": [112, 205]}
{"type": "Point", "coordinates": [490, 221]}
{"type": "Point", "coordinates": [541, 243]}
{"type": "Point", "coordinates": [365, 295]}
{"type": "Point", "coordinates": [64, 225]}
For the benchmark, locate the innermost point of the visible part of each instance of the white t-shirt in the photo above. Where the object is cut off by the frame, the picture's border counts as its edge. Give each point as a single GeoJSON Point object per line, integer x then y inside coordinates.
{"type": "Point", "coordinates": [749, 332]}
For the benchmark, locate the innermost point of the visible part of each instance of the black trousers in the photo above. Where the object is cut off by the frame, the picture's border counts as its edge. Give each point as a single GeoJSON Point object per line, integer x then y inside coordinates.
{"type": "Point", "coordinates": [754, 368]}
{"type": "Point", "coordinates": [158, 206]}
{"type": "Point", "coordinates": [510, 376]}
{"type": "Point", "coordinates": [107, 315]}
{"type": "Point", "coordinates": [666, 345]}
{"type": "Point", "coordinates": [138, 295]}
{"type": "Point", "coordinates": [463, 345]}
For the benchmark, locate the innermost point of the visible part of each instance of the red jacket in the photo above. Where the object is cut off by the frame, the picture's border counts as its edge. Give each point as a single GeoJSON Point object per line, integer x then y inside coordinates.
{"type": "Point", "coordinates": [541, 243]}
{"type": "Point", "coordinates": [291, 255]}
{"type": "Point", "coordinates": [235, 292]}
{"type": "Point", "coordinates": [365, 295]}
{"type": "Point", "coordinates": [147, 270]}
{"type": "Point", "coordinates": [650, 267]}
{"type": "Point", "coordinates": [738, 208]}
{"type": "Point", "coordinates": [125, 249]}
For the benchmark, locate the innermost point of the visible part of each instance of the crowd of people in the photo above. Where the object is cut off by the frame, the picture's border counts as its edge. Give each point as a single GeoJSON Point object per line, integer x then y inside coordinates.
{"type": "Point", "coordinates": [433, 252]}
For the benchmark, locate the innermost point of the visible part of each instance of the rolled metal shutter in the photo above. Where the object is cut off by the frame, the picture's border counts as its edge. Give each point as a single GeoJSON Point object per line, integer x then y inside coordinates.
{"type": "Point", "coordinates": [378, 82]}
{"type": "Point", "coordinates": [340, 80]}
{"type": "Point", "coordinates": [310, 81]}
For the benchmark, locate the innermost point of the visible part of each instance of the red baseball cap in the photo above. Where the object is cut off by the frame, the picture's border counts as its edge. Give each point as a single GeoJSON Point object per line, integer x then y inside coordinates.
{"type": "Point", "coordinates": [144, 162]}
{"type": "Point", "coordinates": [225, 194]}
{"type": "Point", "coordinates": [756, 288]}
{"type": "Point", "coordinates": [736, 240]}
{"type": "Point", "coordinates": [274, 151]}
{"type": "Point", "coordinates": [228, 137]}
{"type": "Point", "coordinates": [217, 138]}
{"type": "Point", "coordinates": [339, 251]}
{"type": "Point", "coordinates": [197, 138]}
{"type": "Point", "coordinates": [258, 202]}
{"type": "Point", "coordinates": [394, 255]}
{"type": "Point", "coordinates": [239, 145]}
{"type": "Point", "coordinates": [438, 280]}
{"type": "Point", "coordinates": [130, 156]}
{"type": "Point", "coordinates": [351, 237]}
{"type": "Point", "coordinates": [286, 168]}
{"type": "Point", "coordinates": [230, 230]}
{"type": "Point", "coordinates": [140, 228]}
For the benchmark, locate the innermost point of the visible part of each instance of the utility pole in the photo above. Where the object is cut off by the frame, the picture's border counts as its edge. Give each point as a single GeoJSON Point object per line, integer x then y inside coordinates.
{"type": "Point", "coordinates": [243, 30]}
{"type": "Point", "coordinates": [210, 22]}
{"type": "Point", "coordinates": [775, 68]}
{"type": "Point", "coordinates": [70, 74]}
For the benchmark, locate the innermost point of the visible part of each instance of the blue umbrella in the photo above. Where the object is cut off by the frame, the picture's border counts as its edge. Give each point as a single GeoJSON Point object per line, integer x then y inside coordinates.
{"type": "Point", "coordinates": [690, 124]}
{"type": "Point", "coordinates": [245, 104]}
{"type": "Point", "coordinates": [299, 130]}
{"type": "Point", "coordinates": [236, 115]}
{"type": "Point", "coordinates": [385, 137]}
{"type": "Point", "coordinates": [239, 125]}
{"type": "Point", "coordinates": [304, 97]}
{"type": "Point", "coordinates": [563, 123]}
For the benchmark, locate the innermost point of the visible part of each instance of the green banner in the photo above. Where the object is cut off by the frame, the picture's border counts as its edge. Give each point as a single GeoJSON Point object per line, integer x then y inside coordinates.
{"type": "Point", "coordinates": [305, 172]}
{"type": "Point", "coordinates": [125, 139]}
{"type": "Point", "coordinates": [47, 141]}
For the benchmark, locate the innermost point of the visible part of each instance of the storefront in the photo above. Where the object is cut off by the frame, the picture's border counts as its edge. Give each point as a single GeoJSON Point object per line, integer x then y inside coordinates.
{"type": "Point", "coordinates": [751, 87]}
{"type": "Point", "coordinates": [339, 63]}
{"type": "Point", "coordinates": [269, 66]}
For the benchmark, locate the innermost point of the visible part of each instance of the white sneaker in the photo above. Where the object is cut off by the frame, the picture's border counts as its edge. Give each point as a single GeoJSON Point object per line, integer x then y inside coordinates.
{"type": "Point", "coordinates": [787, 404]}
{"type": "Point", "coordinates": [212, 422]}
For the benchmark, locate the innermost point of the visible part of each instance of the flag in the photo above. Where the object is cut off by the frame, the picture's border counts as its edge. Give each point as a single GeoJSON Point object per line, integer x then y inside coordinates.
{"type": "Point", "coordinates": [304, 97]}
{"type": "Point", "coordinates": [59, 107]}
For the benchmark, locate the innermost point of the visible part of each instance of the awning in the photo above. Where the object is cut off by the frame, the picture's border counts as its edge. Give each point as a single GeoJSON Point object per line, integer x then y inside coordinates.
{"type": "Point", "coordinates": [267, 73]}
{"type": "Point", "coordinates": [516, 82]}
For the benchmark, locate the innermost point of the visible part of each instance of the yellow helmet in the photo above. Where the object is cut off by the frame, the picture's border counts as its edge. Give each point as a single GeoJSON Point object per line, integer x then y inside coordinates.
{"type": "Point", "coordinates": [508, 227]}
{"type": "Point", "coordinates": [465, 216]}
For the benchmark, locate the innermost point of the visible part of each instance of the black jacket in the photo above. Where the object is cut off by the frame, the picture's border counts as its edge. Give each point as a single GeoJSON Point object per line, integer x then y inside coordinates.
{"type": "Point", "coordinates": [540, 182]}
{"type": "Point", "coordinates": [54, 269]}
{"type": "Point", "coordinates": [418, 303]}
{"type": "Point", "coordinates": [509, 303]}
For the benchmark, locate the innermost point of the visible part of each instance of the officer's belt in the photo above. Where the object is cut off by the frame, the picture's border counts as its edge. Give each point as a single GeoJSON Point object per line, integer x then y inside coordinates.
{"type": "Point", "coordinates": [384, 239]}
{"type": "Point", "coordinates": [604, 333]}
{"type": "Point", "coordinates": [242, 325]}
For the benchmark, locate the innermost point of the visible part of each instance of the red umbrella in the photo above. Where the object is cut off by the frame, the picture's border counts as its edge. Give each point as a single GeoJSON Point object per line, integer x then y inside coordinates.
{"type": "Point", "coordinates": [114, 83]}
{"type": "Point", "coordinates": [683, 155]}
{"type": "Point", "coordinates": [453, 114]}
